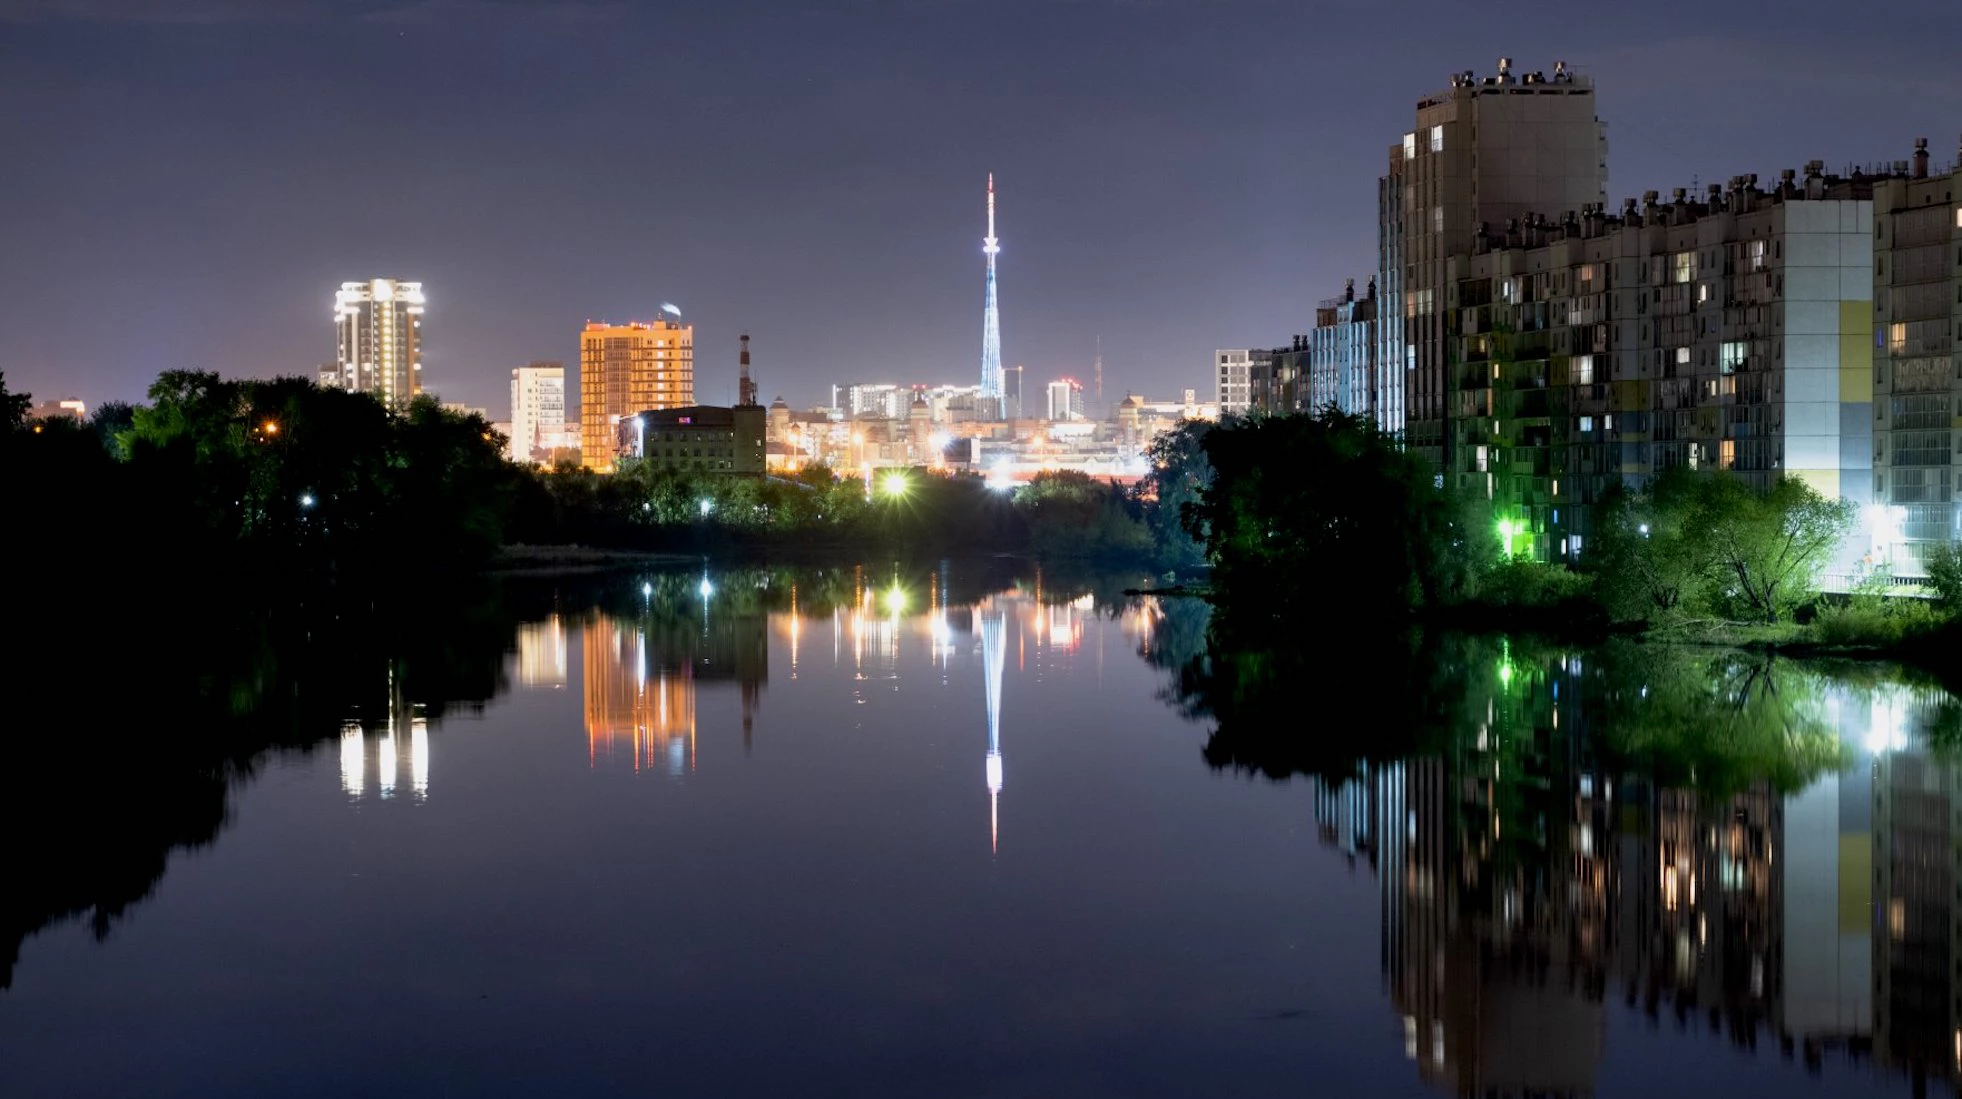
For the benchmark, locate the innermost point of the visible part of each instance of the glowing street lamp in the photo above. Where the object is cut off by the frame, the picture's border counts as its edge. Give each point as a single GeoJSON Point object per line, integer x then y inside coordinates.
{"type": "Point", "coordinates": [894, 485]}
{"type": "Point", "coordinates": [1508, 528]}
{"type": "Point", "coordinates": [306, 499]}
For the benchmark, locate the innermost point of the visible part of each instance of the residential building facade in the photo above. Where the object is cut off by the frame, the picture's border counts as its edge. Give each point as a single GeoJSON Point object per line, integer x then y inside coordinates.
{"type": "Point", "coordinates": [1483, 151]}
{"type": "Point", "coordinates": [378, 327]}
{"type": "Point", "coordinates": [1917, 241]}
{"type": "Point", "coordinates": [1731, 331]}
{"type": "Point", "coordinates": [1235, 372]}
{"type": "Point", "coordinates": [537, 411]}
{"type": "Point", "coordinates": [627, 369]}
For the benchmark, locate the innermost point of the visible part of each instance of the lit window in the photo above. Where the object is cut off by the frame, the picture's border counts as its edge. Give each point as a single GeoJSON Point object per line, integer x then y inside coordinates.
{"type": "Point", "coordinates": [1702, 292]}
{"type": "Point", "coordinates": [1733, 355]}
{"type": "Point", "coordinates": [1437, 139]}
{"type": "Point", "coordinates": [1584, 370]}
{"type": "Point", "coordinates": [1410, 146]}
{"type": "Point", "coordinates": [1728, 456]}
{"type": "Point", "coordinates": [1682, 356]}
{"type": "Point", "coordinates": [1587, 423]}
{"type": "Point", "coordinates": [1684, 269]}
{"type": "Point", "coordinates": [1481, 459]}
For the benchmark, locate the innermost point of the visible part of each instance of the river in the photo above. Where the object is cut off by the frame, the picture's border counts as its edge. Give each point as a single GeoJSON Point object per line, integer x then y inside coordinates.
{"type": "Point", "coordinates": [989, 832]}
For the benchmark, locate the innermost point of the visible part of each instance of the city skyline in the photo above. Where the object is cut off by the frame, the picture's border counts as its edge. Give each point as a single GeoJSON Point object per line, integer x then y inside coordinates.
{"type": "Point", "coordinates": [241, 186]}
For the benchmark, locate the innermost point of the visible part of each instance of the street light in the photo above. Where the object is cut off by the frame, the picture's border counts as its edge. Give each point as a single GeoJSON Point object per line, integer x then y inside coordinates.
{"type": "Point", "coordinates": [894, 485]}
{"type": "Point", "coordinates": [1507, 528]}
{"type": "Point", "coordinates": [306, 499]}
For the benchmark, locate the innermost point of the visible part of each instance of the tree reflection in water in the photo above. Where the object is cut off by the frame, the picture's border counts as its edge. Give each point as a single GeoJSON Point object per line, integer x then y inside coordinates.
{"type": "Point", "coordinates": [1758, 846]}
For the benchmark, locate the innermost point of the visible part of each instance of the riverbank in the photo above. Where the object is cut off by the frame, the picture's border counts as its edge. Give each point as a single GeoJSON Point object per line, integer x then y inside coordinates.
{"type": "Point", "coordinates": [524, 560]}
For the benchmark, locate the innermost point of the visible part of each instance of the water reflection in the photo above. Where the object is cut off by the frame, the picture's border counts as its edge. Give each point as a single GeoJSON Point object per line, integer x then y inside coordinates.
{"type": "Point", "coordinates": [399, 744]}
{"type": "Point", "coordinates": [1761, 849]}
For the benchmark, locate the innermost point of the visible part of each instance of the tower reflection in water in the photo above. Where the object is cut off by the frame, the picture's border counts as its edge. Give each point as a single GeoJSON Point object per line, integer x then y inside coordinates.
{"type": "Point", "coordinates": [1523, 879]}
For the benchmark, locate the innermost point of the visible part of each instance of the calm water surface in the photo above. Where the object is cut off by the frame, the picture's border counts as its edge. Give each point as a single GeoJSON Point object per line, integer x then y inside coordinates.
{"type": "Point", "coordinates": [714, 836]}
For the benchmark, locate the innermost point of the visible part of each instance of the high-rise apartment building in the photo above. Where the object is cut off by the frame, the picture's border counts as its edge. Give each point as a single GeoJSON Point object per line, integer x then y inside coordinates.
{"type": "Point", "coordinates": [1343, 368]}
{"type": "Point", "coordinates": [1483, 151]}
{"type": "Point", "coordinates": [1917, 320]}
{"type": "Point", "coordinates": [379, 328]}
{"type": "Point", "coordinates": [627, 369]}
{"type": "Point", "coordinates": [1731, 331]}
{"type": "Point", "coordinates": [1065, 399]}
{"type": "Point", "coordinates": [537, 410]}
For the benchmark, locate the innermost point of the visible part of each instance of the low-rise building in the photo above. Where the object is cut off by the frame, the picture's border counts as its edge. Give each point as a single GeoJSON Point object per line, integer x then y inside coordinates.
{"type": "Point", "coordinates": [698, 439]}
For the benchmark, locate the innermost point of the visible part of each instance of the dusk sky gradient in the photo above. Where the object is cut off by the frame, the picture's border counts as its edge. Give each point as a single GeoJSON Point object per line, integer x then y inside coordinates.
{"type": "Point", "coordinates": [184, 183]}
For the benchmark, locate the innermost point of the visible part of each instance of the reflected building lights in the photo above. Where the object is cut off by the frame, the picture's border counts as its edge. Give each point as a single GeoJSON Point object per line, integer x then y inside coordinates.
{"type": "Point", "coordinates": [542, 657]}
{"type": "Point", "coordinates": [385, 765]}
{"type": "Point", "coordinates": [1824, 917]}
{"type": "Point", "coordinates": [403, 742]}
{"type": "Point", "coordinates": [635, 718]}
{"type": "Point", "coordinates": [353, 759]}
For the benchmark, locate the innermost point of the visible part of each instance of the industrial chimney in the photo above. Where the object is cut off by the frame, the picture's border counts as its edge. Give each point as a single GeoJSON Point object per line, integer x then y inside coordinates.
{"type": "Point", "coordinates": [745, 387]}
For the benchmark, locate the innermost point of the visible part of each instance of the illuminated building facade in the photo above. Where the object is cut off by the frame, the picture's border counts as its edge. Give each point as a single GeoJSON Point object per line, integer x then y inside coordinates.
{"type": "Point", "coordinates": [538, 412]}
{"type": "Point", "coordinates": [1236, 370]}
{"type": "Point", "coordinates": [1731, 331]}
{"type": "Point", "coordinates": [1065, 399]}
{"type": "Point", "coordinates": [1917, 320]}
{"type": "Point", "coordinates": [378, 324]}
{"type": "Point", "coordinates": [68, 408]}
{"type": "Point", "coordinates": [627, 369]}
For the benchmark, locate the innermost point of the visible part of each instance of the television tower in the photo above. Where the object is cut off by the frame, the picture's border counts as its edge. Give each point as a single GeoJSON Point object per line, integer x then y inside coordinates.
{"type": "Point", "coordinates": [1097, 372]}
{"type": "Point", "coordinates": [991, 316]}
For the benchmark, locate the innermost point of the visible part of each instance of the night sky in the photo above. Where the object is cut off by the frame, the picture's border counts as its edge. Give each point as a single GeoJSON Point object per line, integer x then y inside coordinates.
{"type": "Point", "coordinates": [184, 183]}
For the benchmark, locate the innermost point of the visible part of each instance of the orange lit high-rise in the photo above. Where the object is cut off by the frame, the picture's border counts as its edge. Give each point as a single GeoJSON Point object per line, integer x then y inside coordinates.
{"type": "Point", "coordinates": [626, 369]}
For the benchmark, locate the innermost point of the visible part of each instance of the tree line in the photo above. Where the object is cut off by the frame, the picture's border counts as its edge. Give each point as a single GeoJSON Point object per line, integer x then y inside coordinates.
{"type": "Point", "coordinates": [1294, 517]}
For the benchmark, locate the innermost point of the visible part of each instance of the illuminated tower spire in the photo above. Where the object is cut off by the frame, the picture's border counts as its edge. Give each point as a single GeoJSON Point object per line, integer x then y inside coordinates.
{"type": "Point", "coordinates": [991, 316]}
{"type": "Point", "coordinates": [992, 654]}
